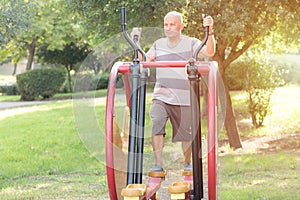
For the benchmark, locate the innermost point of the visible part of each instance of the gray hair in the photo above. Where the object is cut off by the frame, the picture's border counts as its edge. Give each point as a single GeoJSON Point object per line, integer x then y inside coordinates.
{"type": "Point", "coordinates": [175, 14]}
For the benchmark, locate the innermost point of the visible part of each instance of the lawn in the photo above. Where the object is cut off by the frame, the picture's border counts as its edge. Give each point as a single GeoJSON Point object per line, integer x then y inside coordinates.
{"type": "Point", "coordinates": [44, 154]}
{"type": "Point", "coordinates": [41, 153]}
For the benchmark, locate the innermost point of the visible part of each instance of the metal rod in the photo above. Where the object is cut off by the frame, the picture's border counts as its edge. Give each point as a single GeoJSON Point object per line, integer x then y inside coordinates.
{"type": "Point", "coordinates": [202, 43]}
{"type": "Point", "coordinates": [194, 78]}
{"type": "Point", "coordinates": [134, 68]}
{"type": "Point", "coordinates": [129, 40]}
{"type": "Point", "coordinates": [141, 125]}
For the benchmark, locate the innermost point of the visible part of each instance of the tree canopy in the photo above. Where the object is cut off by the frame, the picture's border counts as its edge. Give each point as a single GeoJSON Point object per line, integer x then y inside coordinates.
{"type": "Point", "coordinates": [101, 19]}
{"type": "Point", "coordinates": [28, 23]}
{"type": "Point", "coordinates": [239, 24]}
{"type": "Point", "coordinates": [12, 21]}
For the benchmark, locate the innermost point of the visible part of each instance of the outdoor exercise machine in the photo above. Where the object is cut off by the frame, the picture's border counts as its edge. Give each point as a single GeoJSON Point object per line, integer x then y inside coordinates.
{"type": "Point", "coordinates": [135, 76]}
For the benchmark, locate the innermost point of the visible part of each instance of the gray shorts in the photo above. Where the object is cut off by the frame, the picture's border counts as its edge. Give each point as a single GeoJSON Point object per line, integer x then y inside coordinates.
{"type": "Point", "coordinates": [180, 118]}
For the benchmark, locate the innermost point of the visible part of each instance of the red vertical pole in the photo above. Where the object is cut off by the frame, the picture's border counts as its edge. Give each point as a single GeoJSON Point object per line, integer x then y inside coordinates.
{"type": "Point", "coordinates": [110, 171]}
{"type": "Point", "coordinates": [212, 132]}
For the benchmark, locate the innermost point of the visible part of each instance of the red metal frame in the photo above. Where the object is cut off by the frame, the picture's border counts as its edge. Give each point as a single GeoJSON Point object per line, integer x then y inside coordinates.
{"type": "Point", "coordinates": [208, 69]}
{"type": "Point", "coordinates": [109, 132]}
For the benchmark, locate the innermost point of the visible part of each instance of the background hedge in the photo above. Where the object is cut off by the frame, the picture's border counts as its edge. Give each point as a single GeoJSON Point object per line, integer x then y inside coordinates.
{"type": "Point", "coordinates": [44, 82]}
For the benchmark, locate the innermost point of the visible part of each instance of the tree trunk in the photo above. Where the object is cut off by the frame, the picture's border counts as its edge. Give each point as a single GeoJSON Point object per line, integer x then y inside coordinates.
{"type": "Point", "coordinates": [69, 78]}
{"type": "Point", "coordinates": [15, 69]}
{"type": "Point", "coordinates": [31, 52]}
{"type": "Point", "coordinates": [230, 123]}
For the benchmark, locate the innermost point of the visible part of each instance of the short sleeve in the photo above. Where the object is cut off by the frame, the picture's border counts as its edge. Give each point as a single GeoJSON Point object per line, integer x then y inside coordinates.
{"type": "Point", "coordinates": [151, 53]}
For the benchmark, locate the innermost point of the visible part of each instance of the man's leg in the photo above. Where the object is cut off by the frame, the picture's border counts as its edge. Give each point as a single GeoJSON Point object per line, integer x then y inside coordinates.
{"type": "Point", "coordinates": [158, 145]}
{"type": "Point", "coordinates": [187, 151]}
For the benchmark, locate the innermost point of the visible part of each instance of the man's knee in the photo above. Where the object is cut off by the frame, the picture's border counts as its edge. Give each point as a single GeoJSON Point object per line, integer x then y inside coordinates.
{"type": "Point", "coordinates": [186, 145]}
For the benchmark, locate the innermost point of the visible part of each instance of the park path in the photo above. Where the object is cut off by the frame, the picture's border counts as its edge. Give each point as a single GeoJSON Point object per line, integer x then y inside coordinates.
{"type": "Point", "coordinates": [8, 109]}
{"type": "Point", "coordinates": [174, 176]}
{"type": "Point", "coordinates": [16, 104]}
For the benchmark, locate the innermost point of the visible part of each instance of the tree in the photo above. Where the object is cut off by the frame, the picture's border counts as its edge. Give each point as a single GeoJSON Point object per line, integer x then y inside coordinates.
{"type": "Point", "coordinates": [41, 22]}
{"type": "Point", "coordinates": [236, 31]}
{"type": "Point", "coordinates": [102, 19]}
{"type": "Point", "coordinates": [69, 56]}
{"type": "Point", "coordinates": [16, 55]}
{"type": "Point", "coordinates": [28, 28]}
{"type": "Point", "coordinates": [12, 21]}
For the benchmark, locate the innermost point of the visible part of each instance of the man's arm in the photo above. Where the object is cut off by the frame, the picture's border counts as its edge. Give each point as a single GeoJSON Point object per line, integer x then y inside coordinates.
{"type": "Point", "coordinates": [137, 32]}
{"type": "Point", "coordinates": [211, 43]}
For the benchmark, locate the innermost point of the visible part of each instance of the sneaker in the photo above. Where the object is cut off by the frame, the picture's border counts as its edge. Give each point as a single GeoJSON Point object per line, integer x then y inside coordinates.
{"type": "Point", "coordinates": [157, 168]}
{"type": "Point", "coordinates": [188, 167]}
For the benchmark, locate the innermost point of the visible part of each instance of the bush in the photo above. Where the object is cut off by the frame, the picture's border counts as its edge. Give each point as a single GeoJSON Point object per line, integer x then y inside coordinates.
{"type": "Point", "coordinates": [102, 80]}
{"type": "Point", "coordinates": [83, 81]}
{"type": "Point", "coordinates": [43, 82]}
{"type": "Point", "coordinates": [254, 74]}
{"type": "Point", "coordinates": [9, 89]}
{"type": "Point", "coordinates": [87, 81]}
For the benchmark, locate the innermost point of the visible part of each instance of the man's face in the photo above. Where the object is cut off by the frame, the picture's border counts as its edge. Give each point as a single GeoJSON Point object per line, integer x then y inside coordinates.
{"type": "Point", "coordinates": [172, 26]}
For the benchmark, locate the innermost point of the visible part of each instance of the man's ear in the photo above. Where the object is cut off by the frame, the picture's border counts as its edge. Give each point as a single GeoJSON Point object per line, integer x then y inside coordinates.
{"type": "Point", "coordinates": [181, 26]}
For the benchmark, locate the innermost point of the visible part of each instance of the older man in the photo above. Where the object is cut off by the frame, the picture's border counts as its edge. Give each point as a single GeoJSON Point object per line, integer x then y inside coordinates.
{"type": "Point", "coordinates": [171, 98]}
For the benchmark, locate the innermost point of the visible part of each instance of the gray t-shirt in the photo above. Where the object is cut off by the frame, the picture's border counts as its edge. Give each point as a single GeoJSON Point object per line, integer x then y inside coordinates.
{"type": "Point", "coordinates": [172, 84]}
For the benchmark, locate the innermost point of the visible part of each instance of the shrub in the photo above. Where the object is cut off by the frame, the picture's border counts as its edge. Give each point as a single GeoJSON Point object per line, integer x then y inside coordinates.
{"type": "Point", "coordinates": [87, 81]}
{"type": "Point", "coordinates": [262, 79]}
{"type": "Point", "coordinates": [44, 82]}
{"type": "Point", "coordinates": [9, 89]}
{"type": "Point", "coordinates": [102, 80]}
{"type": "Point", "coordinates": [83, 81]}
{"type": "Point", "coordinates": [254, 74]}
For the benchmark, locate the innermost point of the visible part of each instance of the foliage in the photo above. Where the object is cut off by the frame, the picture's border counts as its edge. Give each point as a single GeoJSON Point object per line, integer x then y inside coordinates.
{"type": "Point", "coordinates": [43, 82]}
{"type": "Point", "coordinates": [251, 27]}
{"type": "Point", "coordinates": [71, 54]}
{"type": "Point", "coordinates": [98, 26]}
{"type": "Point", "coordinates": [27, 35]}
{"type": "Point", "coordinates": [84, 81]}
{"type": "Point", "coordinates": [290, 66]}
{"type": "Point", "coordinates": [32, 24]}
{"type": "Point", "coordinates": [12, 22]}
{"type": "Point", "coordinates": [259, 105]}
{"type": "Point", "coordinates": [102, 80]}
{"type": "Point", "coordinates": [236, 31]}
{"type": "Point", "coordinates": [235, 76]}
{"type": "Point", "coordinates": [258, 78]}
{"type": "Point", "coordinates": [43, 22]}
{"type": "Point", "coordinates": [9, 89]}
{"type": "Point", "coordinates": [88, 81]}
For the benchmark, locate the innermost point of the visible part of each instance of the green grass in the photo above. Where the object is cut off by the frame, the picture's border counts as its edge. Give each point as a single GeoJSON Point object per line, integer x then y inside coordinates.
{"type": "Point", "coordinates": [283, 118]}
{"type": "Point", "coordinates": [273, 176]}
{"type": "Point", "coordinates": [43, 146]}
{"type": "Point", "coordinates": [44, 154]}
